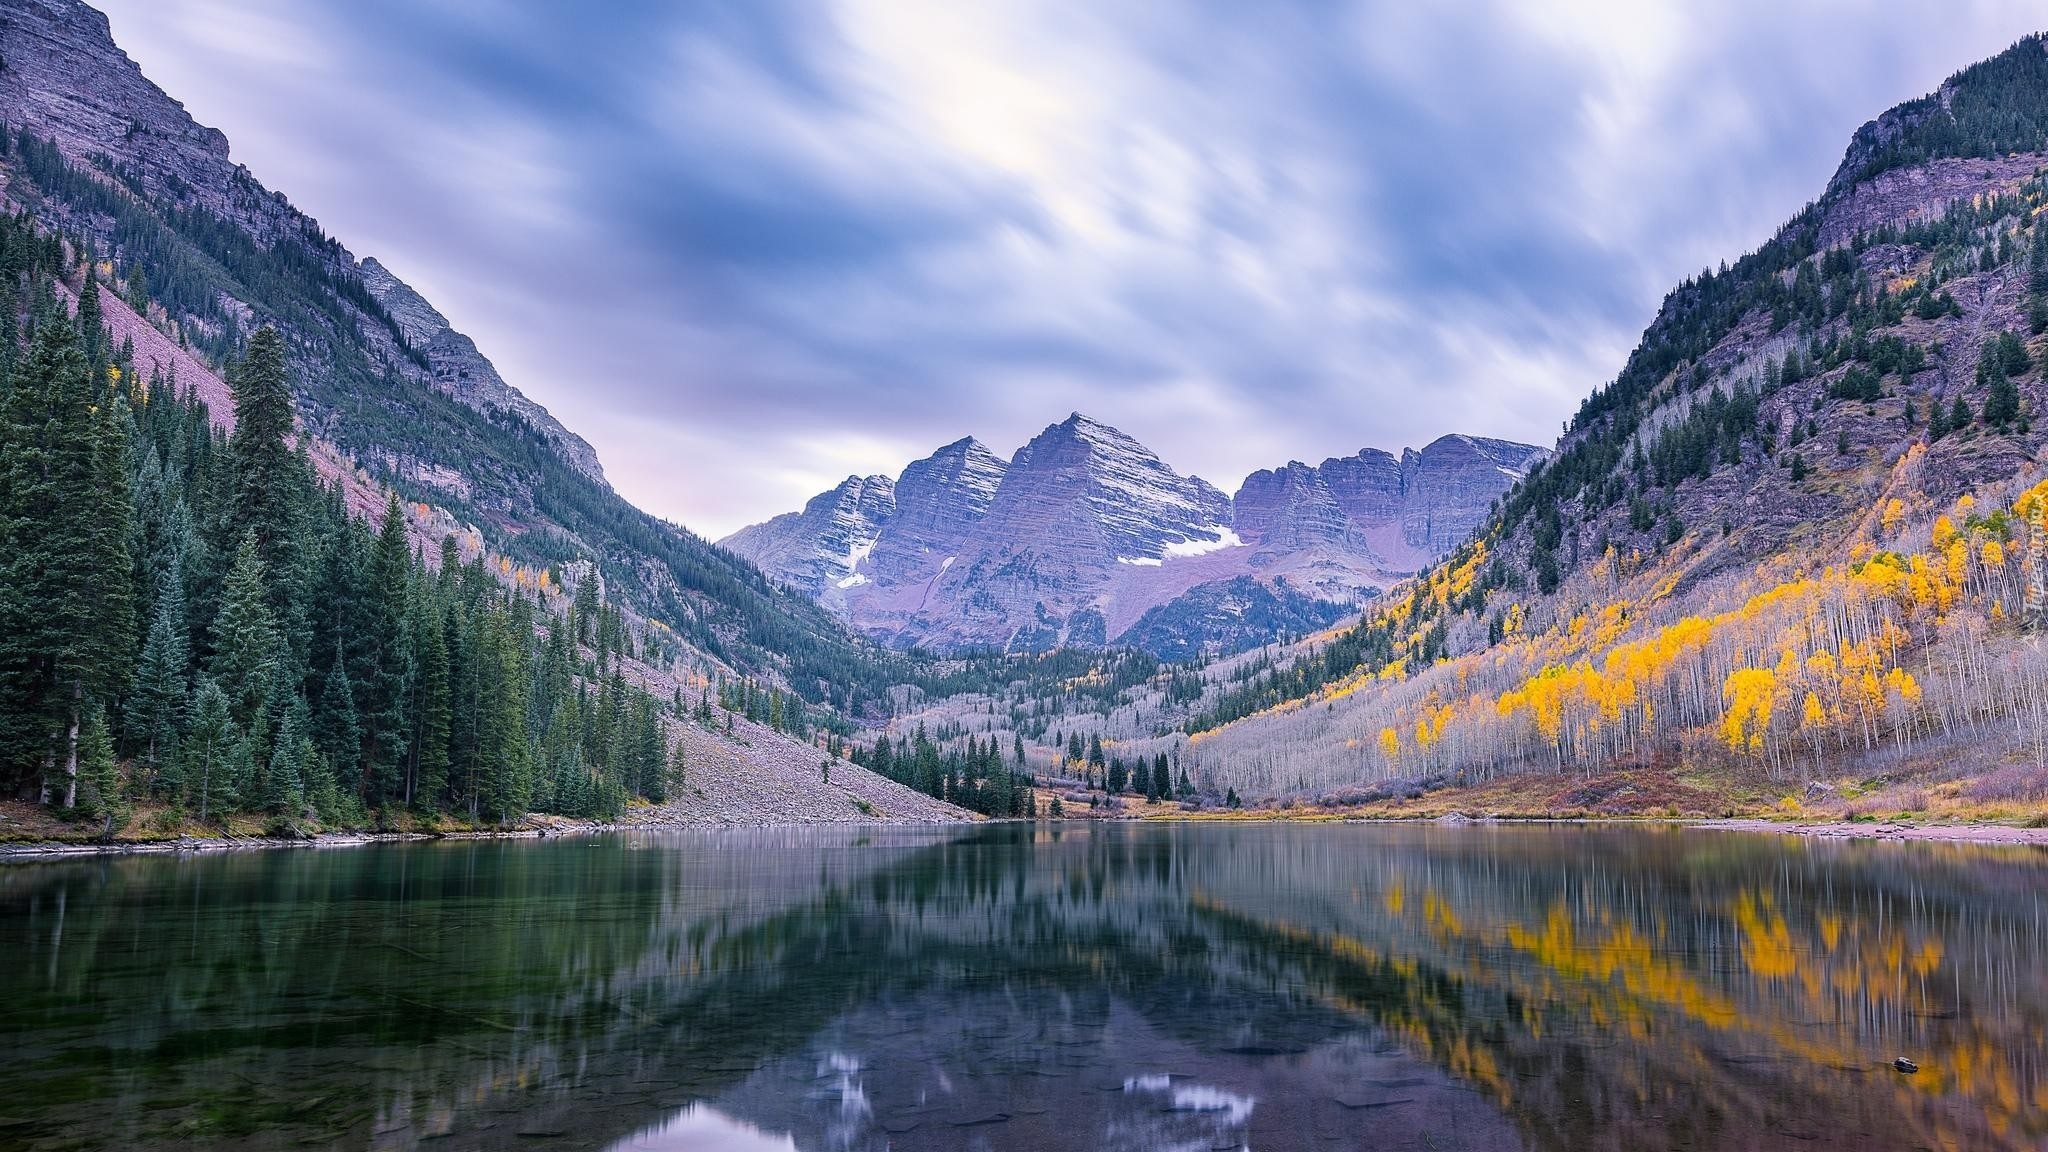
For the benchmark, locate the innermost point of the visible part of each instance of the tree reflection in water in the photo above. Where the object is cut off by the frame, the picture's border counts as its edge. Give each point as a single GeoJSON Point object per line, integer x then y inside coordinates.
{"type": "Point", "coordinates": [1133, 987]}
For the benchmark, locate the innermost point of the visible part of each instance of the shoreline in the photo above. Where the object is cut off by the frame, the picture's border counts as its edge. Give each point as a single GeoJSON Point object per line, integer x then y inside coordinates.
{"type": "Point", "coordinates": [2005, 834]}
{"type": "Point", "coordinates": [551, 828]}
{"type": "Point", "coordinates": [1985, 834]}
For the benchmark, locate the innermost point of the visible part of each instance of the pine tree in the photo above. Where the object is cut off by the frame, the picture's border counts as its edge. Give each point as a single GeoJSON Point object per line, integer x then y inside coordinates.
{"type": "Point", "coordinates": [105, 797]}
{"type": "Point", "coordinates": [92, 330]}
{"type": "Point", "coordinates": [432, 714]}
{"type": "Point", "coordinates": [2002, 405]}
{"type": "Point", "coordinates": [67, 634]}
{"type": "Point", "coordinates": [283, 789]}
{"type": "Point", "coordinates": [246, 652]}
{"type": "Point", "coordinates": [156, 702]}
{"type": "Point", "coordinates": [266, 469]}
{"type": "Point", "coordinates": [336, 732]}
{"type": "Point", "coordinates": [384, 693]}
{"type": "Point", "coordinates": [206, 746]}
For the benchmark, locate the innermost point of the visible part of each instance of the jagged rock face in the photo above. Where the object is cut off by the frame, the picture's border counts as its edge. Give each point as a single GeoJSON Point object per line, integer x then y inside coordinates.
{"type": "Point", "coordinates": [939, 500]}
{"type": "Point", "coordinates": [1397, 514]}
{"type": "Point", "coordinates": [1083, 485]}
{"type": "Point", "coordinates": [51, 48]}
{"type": "Point", "coordinates": [1082, 510]}
{"type": "Point", "coordinates": [1367, 486]}
{"type": "Point", "coordinates": [1447, 488]}
{"type": "Point", "coordinates": [820, 549]}
{"type": "Point", "coordinates": [1087, 537]}
{"type": "Point", "coordinates": [463, 372]}
{"type": "Point", "coordinates": [1290, 508]}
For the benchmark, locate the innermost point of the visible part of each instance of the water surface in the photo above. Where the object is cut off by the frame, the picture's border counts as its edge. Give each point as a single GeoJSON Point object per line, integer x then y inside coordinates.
{"type": "Point", "coordinates": [1113, 987]}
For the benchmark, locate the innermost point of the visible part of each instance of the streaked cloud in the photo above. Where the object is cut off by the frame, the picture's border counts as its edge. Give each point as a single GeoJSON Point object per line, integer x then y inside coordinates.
{"type": "Point", "coordinates": [746, 248]}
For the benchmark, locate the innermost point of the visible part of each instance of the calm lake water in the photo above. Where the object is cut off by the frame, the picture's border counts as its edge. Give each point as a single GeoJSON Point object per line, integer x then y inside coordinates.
{"type": "Point", "coordinates": [1107, 987]}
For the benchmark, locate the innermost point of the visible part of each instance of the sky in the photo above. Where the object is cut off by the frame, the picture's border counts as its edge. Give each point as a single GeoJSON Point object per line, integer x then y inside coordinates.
{"type": "Point", "coordinates": [749, 247]}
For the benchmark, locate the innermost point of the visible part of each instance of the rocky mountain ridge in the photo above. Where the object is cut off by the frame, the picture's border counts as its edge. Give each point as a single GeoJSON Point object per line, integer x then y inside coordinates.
{"type": "Point", "coordinates": [1087, 531]}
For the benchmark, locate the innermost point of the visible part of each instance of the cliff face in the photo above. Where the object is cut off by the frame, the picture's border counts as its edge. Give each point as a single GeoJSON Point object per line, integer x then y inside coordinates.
{"type": "Point", "coordinates": [939, 502]}
{"type": "Point", "coordinates": [818, 550]}
{"type": "Point", "coordinates": [1087, 533]}
{"type": "Point", "coordinates": [63, 78]}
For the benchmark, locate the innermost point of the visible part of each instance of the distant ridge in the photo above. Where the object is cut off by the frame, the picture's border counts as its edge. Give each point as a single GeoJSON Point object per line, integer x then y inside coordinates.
{"type": "Point", "coordinates": [1087, 532]}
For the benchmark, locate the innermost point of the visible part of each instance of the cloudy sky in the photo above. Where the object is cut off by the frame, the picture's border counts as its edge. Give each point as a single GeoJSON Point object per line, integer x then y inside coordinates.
{"type": "Point", "coordinates": [746, 248]}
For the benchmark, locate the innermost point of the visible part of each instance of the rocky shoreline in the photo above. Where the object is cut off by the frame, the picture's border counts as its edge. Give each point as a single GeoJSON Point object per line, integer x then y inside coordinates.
{"type": "Point", "coordinates": [1889, 830]}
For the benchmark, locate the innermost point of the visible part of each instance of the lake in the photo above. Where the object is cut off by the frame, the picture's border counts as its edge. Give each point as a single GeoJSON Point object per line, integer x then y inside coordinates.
{"type": "Point", "coordinates": [1156, 986]}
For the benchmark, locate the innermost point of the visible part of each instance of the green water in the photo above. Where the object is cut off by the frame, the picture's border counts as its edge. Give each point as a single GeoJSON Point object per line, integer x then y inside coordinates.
{"type": "Point", "coordinates": [1113, 987]}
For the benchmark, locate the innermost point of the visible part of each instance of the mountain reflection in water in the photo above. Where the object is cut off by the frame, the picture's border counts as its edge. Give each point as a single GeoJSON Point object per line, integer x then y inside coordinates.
{"type": "Point", "coordinates": [1087, 986]}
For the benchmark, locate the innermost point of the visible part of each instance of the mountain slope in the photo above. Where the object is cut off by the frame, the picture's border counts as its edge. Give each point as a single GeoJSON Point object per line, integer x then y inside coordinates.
{"type": "Point", "coordinates": [1799, 534]}
{"type": "Point", "coordinates": [104, 154]}
{"type": "Point", "coordinates": [1088, 538]}
{"type": "Point", "coordinates": [463, 371]}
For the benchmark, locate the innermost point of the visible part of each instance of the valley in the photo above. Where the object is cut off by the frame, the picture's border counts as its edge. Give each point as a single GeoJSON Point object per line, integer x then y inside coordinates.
{"type": "Point", "coordinates": [1788, 560]}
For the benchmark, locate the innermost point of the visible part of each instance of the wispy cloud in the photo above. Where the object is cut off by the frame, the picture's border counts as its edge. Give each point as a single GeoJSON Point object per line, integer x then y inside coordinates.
{"type": "Point", "coordinates": [748, 247]}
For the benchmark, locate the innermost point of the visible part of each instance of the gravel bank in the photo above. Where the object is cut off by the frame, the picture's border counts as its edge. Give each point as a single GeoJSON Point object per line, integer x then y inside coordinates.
{"type": "Point", "coordinates": [757, 776]}
{"type": "Point", "coordinates": [1948, 833]}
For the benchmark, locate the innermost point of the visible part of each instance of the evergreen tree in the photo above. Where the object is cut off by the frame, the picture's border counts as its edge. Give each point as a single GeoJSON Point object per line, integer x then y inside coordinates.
{"type": "Point", "coordinates": [156, 702]}
{"type": "Point", "coordinates": [283, 790]}
{"type": "Point", "coordinates": [266, 469]}
{"type": "Point", "coordinates": [432, 716]}
{"type": "Point", "coordinates": [245, 641]}
{"type": "Point", "coordinates": [336, 733]}
{"type": "Point", "coordinates": [205, 749]}
{"type": "Point", "coordinates": [92, 330]}
{"type": "Point", "coordinates": [105, 796]}
{"type": "Point", "coordinates": [66, 620]}
{"type": "Point", "coordinates": [384, 695]}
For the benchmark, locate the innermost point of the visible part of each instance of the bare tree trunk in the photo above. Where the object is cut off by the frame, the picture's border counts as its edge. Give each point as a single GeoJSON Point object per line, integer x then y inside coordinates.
{"type": "Point", "coordinates": [71, 747]}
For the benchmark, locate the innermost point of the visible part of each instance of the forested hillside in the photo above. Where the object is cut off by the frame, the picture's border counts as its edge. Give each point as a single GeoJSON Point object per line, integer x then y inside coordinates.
{"type": "Point", "coordinates": [204, 608]}
{"type": "Point", "coordinates": [101, 155]}
{"type": "Point", "coordinates": [1801, 532]}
